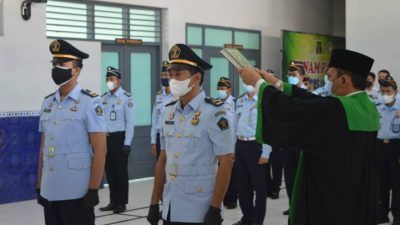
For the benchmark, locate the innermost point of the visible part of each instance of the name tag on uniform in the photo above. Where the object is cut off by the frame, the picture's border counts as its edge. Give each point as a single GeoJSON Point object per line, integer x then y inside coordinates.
{"type": "Point", "coordinates": [113, 115]}
{"type": "Point", "coordinates": [169, 122]}
{"type": "Point", "coordinates": [47, 110]}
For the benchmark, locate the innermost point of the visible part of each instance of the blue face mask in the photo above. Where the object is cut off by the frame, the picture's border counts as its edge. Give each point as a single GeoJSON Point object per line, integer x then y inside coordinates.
{"type": "Point", "coordinates": [293, 80]}
{"type": "Point", "coordinates": [165, 82]}
{"type": "Point", "coordinates": [221, 94]}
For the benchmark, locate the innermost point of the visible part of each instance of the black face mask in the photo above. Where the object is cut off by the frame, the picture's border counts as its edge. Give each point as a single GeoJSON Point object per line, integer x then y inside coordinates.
{"type": "Point", "coordinates": [369, 84]}
{"type": "Point", "coordinates": [61, 75]}
{"type": "Point", "coordinates": [165, 82]}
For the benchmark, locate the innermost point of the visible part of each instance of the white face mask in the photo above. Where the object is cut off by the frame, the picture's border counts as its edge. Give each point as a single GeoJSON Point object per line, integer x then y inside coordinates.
{"type": "Point", "coordinates": [180, 88]}
{"type": "Point", "coordinates": [249, 88]}
{"type": "Point", "coordinates": [221, 94]}
{"type": "Point", "coordinates": [387, 99]}
{"type": "Point", "coordinates": [111, 85]}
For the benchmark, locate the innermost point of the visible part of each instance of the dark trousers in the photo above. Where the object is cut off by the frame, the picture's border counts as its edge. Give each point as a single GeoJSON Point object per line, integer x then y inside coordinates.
{"type": "Point", "coordinates": [231, 195]}
{"type": "Point", "coordinates": [158, 146]}
{"type": "Point", "coordinates": [389, 177]}
{"type": "Point", "coordinates": [275, 170]}
{"type": "Point", "coordinates": [251, 177]}
{"type": "Point", "coordinates": [168, 221]}
{"type": "Point", "coordinates": [291, 160]}
{"type": "Point", "coordinates": [69, 212]}
{"type": "Point", "coordinates": [117, 168]}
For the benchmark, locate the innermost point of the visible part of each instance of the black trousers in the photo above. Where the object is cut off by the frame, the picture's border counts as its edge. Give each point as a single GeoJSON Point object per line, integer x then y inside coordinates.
{"type": "Point", "coordinates": [275, 170]}
{"type": "Point", "coordinates": [117, 168]}
{"type": "Point", "coordinates": [68, 212]}
{"type": "Point", "coordinates": [291, 161]}
{"type": "Point", "coordinates": [389, 177]}
{"type": "Point", "coordinates": [168, 221]}
{"type": "Point", "coordinates": [231, 196]}
{"type": "Point", "coordinates": [158, 146]}
{"type": "Point", "coordinates": [251, 177]}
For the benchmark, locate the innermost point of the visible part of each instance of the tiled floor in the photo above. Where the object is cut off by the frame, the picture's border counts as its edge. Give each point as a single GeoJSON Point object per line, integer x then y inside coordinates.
{"type": "Point", "coordinates": [28, 212]}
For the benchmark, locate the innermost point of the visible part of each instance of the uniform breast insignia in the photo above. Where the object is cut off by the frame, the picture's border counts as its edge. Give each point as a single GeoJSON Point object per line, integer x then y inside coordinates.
{"type": "Point", "coordinates": [127, 94]}
{"type": "Point", "coordinates": [89, 93]}
{"type": "Point", "coordinates": [196, 118]}
{"type": "Point", "coordinates": [219, 113]}
{"type": "Point", "coordinates": [214, 102]}
{"type": "Point", "coordinates": [171, 115]}
{"type": "Point", "coordinates": [99, 110]}
{"type": "Point", "coordinates": [398, 114]}
{"type": "Point", "coordinates": [130, 104]}
{"type": "Point", "coordinates": [223, 124]}
{"type": "Point", "coordinates": [74, 108]}
{"type": "Point", "coordinates": [169, 122]}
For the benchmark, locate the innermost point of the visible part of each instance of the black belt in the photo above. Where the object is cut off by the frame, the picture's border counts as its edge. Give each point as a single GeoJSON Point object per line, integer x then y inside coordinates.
{"type": "Point", "coordinates": [389, 141]}
{"type": "Point", "coordinates": [115, 133]}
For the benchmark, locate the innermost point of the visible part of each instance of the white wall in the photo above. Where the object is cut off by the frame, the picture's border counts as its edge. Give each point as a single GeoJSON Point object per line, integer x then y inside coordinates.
{"type": "Point", "coordinates": [24, 54]}
{"type": "Point", "coordinates": [372, 27]}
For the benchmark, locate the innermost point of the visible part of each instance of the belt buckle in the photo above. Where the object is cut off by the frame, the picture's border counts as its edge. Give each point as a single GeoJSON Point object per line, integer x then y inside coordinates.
{"type": "Point", "coordinates": [386, 141]}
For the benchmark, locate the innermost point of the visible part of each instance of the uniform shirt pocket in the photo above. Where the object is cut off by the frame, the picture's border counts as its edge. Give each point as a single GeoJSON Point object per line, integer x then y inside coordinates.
{"type": "Point", "coordinates": [81, 161]}
{"type": "Point", "coordinates": [198, 186]}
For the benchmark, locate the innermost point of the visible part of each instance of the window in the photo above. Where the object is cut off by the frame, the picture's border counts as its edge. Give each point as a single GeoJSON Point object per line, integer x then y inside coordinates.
{"type": "Point", "coordinates": [97, 21]}
{"type": "Point", "coordinates": [219, 36]}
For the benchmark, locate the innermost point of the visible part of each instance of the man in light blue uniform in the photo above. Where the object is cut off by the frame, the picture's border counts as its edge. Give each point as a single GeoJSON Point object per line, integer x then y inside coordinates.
{"type": "Point", "coordinates": [224, 94]}
{"type": "Point", "coordinates": [119, 113]}
{"type": "Point", "coordinates": [251, 160]}
{"type": "Point", "coordinates": [163, 97]}
{"type": "Point", "coordinates": [325, 90]}
{"type": "Point", "coordinates": [388, 151]}
{"type": "Point", "coordinates": [73, 145]}
{"type": "Point", "coordinates": [195, 136]}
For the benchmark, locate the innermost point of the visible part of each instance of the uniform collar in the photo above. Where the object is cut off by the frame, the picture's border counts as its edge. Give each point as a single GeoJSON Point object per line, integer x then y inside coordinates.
{"type": "Point", "coordinates": [396, 105]}
{"type": "Point", "coordinates": [229, 100]}
{"type": "Point", "coordinates": [194, 103]}
{"type": "Point", "coordinates": [355, 93]}
{"type": "Point", "coordinates": [255, 97]}
{"type": "Point", "coordinates": [118, 93]}
{"type": "Point", "coordinates": [164, 93]}
{"type": "Point", "coordinates": [74, 93]}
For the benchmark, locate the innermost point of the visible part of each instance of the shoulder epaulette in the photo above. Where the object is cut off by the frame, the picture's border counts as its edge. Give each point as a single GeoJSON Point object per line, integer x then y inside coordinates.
{"type": "Point", "coordinates": [127, 94]}
{"type": "Point", "coordinates": [214, 102]}
{"type": "Point", "coordinates": [104, 94]}
{"type": "Point", "coordinates": [159, 92]}
{"type": "Point", "coordinates": [242, 95]}
{"type": "Point", "coordinates": [171, 103]}
{"type": "Point", "coordinates": [89, 93]}
{"type": "Point", "coordinates": [50, 95]}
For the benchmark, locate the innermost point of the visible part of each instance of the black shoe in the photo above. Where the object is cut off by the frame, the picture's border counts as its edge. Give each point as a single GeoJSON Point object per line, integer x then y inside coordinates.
{"type": "Point", "coordinates": [109, 207]}
{"type": "Point", "coordinates": [231, 206]}
{"type": "Point", "coordinates": [286, 213]}
{"type": "Point", "coordinates": [119, 209]}
{"type": "Point", "coordinates": [396, 222]}
{"type": "Point", "coordinates": [383, 220]}
{"type": "Point", "coordinates": [257, 223]}
{"type": "Point", "coordinates": [274, 195]}
{"type": "Point", "coordinates": [241, 222]}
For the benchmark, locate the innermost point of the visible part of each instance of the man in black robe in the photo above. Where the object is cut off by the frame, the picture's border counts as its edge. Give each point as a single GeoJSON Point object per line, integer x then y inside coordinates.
{"type": "Point", "coordinates": [336, 181]}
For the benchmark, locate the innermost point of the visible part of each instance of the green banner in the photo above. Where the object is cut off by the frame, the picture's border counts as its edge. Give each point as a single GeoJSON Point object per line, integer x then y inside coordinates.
{"type": "Point", "coordinates": [313, 50]}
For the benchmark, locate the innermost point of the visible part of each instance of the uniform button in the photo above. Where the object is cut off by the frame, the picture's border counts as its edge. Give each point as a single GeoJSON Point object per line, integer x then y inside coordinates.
{"type": "Point", "coordinates": [59, 107]}
{"type": "Point", "coordinates": [51, 169]}
{"type": "Point", "coordinates": [52, 138]}
{"type": "Point", "coordinates": [181, 118]}
{"type": "Point", "coordinates": [180, 135]}
{"type": "Point", "coordinates": [177, 155]}
{"type": "Point", "coordinates": [55, 122]}
{"type": "Point", "coordinates": [191, 135]}
{"type": "Point", "coordinates": [172, 177]}
{"type": "Point", "coordinates": [199, 190]}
